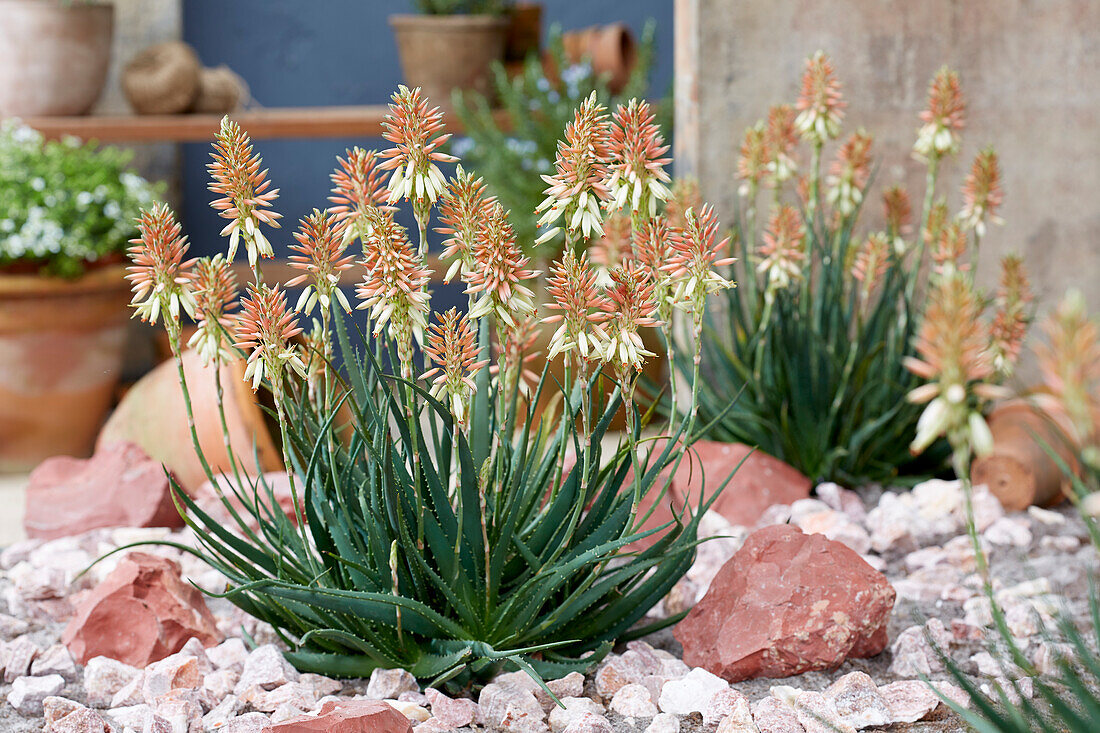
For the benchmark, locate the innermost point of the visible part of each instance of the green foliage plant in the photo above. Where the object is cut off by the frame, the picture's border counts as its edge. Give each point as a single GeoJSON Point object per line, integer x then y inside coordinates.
{"type": "Point", "coordinates": [443, 522]}
{"type": "Point", "coordinates": [811, 347]}
{"type": "Point", "coordinates": [64, 205]}
{"type": "Point", "coordinates": [511, 137]}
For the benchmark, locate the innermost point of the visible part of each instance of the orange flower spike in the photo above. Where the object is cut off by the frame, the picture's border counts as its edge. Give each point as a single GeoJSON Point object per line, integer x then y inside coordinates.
{"type": "Point", "coordinates": [849, 173]}
{"type": "Point", "coordinates": [1069, 362]}
{"type": "Point", "coordinates": [630, 307]}
{"type": "Point", "coordinates": [637, 154]}
{"type": "Point", "coordinates": [782, 253]}
{"type": "Point", "coordinates": [579, 305]}
{"type": "Point", "coordinates": [1013, 315]}
{"type": "Point", "coordinates": [943, 118]}
{"type": "Point", "coordinates": [215, 292]}
{"type": "Point", "coordinates": [462, 209]}
{"type": "Point", "coordinates": [753, 163]}
{"type": "Point", "coordinates": [981, 192]}
{"type": "Point", "coordinates": [937, 221]}
{"type": "Point", "coordinates": [158, 274]}
{"type": "Point", "coordinates": [694, 254]}
{"type": "Point", "coordinates": [500, 272]}
{"type": "Point", "coordinates": [578, 185]}
{"type": "Point", "coordinates": [245, 191]}
{"type": "Point", "coordinates": [950, 248]}
{"type": "Point", "coordinates": [820, 105]}
{"type": "Point", "coordinates": [780, 140]}
{"type": "Point", "coordinates": [451, 345]}
{"type": "Point", "coordinates": [265, 328]}
{"type": "Point", "coordinates": [413, 127]}
{"type": "Point", "coordinates": [898, 211]}
{"type": "Point", "coordinates": [357, 186]}
{"type": "Point", "coordinates": [394, 288]}
{"type": "Point", "coordinates": [955, 360]}
{"type": "Point", "coordinates": [872, 261]}
{"type": "Point", "coordinates": [319, 252]}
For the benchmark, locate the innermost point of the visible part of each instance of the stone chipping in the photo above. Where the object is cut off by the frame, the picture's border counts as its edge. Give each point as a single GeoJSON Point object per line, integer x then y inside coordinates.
{"type": "Point", "coordinates": [1040, 560]}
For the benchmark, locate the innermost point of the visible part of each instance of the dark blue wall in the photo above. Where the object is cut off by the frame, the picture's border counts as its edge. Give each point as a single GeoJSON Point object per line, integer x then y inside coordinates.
{"type": "Point", "coordinates": [327, 52]}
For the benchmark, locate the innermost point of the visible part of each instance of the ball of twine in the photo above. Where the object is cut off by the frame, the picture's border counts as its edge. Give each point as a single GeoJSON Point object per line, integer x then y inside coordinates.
{"type": "Point", "coordinates": [221, 90]}
{"type": "Point", "coordinates": [163, 79]}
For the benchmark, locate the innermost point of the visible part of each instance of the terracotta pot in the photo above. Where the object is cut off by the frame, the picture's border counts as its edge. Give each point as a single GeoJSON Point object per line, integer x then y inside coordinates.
{"type": "Point", "coordinates": [61, 347]}
{"type": "Point", "coordinates": [53, 56]}
{"type": "Point", "coordinates": [1019, 472]}
{"type": "Point", "coordinates": [524, 35]}
{"type": "Point", "coordinates": [610, 49]}
{"type": "Point", "coordinates": [153, 415]}
{"type": "Point", "coordinates": [441, 53]}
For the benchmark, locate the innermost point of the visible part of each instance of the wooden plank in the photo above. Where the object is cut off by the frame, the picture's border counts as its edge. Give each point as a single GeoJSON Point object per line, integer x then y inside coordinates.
{"type": "Point", "coordinates": [285, 122]}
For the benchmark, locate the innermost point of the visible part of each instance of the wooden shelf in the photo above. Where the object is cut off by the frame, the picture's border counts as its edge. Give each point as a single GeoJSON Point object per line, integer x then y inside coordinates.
{"type": "Point", "coordinates": [281, 122]}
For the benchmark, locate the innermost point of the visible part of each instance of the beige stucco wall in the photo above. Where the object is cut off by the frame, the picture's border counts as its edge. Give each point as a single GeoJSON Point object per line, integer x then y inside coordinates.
{"type": "Point", "coordinates": [1030, 71]}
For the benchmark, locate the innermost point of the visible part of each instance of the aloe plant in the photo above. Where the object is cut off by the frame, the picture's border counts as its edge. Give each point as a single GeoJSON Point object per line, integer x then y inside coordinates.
{"type": "Point", "coordinates": [439, 523]}
{"type": "Point", "coordinates": [811, 347]}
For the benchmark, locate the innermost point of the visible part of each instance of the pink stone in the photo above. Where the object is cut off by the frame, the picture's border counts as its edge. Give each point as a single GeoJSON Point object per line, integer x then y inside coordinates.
{"type": "Point", "coordinates": [265, 668]}
{"type": "Point", "coordinates": [760, 482]}
{"type": "Point", "coordinates": [632, 666]}
{"type": "Point", "coordinates": [55, 660]}
{"type": "Point", "coordinates": [119, 486]}
{"type": "Point", "coordinates": [82, 720]}
{"type": "Point", "coordinates": [104, 677]}
{"type": "Point", "coordinates": [18, 657]}
{"type": "Point", "coordinates": [858, 701]}
{"type": "Point", "coordinates": [818, 714]}
{"type": "Point", "coordinates": [449, 712]}
{"type": "Point", "coordinates": [774, 716]}
{"type": "Point", "coordinates": [727, 703]}
{"type": "Point", "coordinates": [633, 701]}
{"type": "Point", "coordinates": [909, 700]}
{"type": "Point", "coordinates": [351, 716]}
{"type": "Point", "coordinates": [142, 612]}
{"type": "Point", "coordinates": [787, 603]}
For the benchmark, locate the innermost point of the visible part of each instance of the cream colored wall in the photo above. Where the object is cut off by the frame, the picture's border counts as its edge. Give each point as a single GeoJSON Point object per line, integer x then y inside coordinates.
{"type": "Point", "coordinates": [1030, 72]}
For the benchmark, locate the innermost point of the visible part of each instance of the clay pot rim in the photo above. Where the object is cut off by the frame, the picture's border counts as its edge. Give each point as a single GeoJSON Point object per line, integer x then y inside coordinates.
{"type": "Point", "coordinates": [446, 23]}
{"type": "Point", "coordinates": [107, 279]}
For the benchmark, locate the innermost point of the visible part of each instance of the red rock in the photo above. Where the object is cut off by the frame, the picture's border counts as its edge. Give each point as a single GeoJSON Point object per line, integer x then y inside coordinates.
{"type": "Point", "coordinates": [142, 612]}
{"type": "Point", "coordinates": [787, 603]}
{"type": "Point", "coordinates": [119, 486]}
{"type": "Point", "coordinates": [350, 716]}
{"type": "Point", "coordinates": [761, 481]}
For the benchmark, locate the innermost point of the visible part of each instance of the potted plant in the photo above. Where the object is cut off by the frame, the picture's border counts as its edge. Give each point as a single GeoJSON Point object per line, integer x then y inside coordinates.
{"type": "Point", "coordinates": [66, 213]}
{"type": "Point", "coordinates": [53, 56]}
{"type": "Point", "coordinates": [451, 44]}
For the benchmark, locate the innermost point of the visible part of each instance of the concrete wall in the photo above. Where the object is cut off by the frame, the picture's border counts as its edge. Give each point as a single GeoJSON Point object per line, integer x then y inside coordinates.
{"type": "Point", "coordinates": [1030, 71]}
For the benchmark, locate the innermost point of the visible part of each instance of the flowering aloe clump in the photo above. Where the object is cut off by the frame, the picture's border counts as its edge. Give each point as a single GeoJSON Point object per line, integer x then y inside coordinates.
{"type": "Point", "coordinates": [437, 523]}
{"type": "Point", "coordinates": [812, 346]}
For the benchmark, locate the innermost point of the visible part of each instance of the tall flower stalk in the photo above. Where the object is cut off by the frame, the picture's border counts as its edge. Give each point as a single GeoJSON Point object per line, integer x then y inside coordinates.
{"type": "Point", "coordinates": [820, 110]}
{"type": "Point", "coordinates": [246, 194]}
{"type": "Point", "coordinates": [413, 126]}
